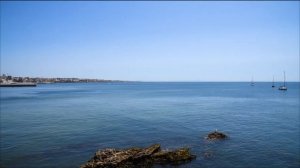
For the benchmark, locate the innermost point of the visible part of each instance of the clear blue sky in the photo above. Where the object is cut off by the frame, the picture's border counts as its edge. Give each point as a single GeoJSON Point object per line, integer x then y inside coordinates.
{"type": "Point", "coordinates": [151, 41]}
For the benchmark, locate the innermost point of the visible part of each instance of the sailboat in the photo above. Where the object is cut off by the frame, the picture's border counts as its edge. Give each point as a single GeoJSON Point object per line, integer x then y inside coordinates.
{"type": "Point", "coordinates": [283, 87]}
{"type": "Point", "coordinates": [273, 83]}
{"type": "Point", "coordinates": [252, 83]}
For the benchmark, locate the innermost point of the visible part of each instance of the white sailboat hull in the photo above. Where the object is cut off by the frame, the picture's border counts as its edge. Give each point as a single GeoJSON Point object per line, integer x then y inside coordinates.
{"type": "Point", "coordinates": [282, 88]}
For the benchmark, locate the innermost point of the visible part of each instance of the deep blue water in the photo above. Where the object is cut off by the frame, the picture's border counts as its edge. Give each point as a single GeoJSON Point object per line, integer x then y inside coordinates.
{"type": "Point", "coordinates": [62, 125]}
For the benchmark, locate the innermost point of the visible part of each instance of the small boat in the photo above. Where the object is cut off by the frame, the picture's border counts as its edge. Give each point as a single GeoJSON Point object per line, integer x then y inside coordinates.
{"type": "Point", "coordinates": [252, 83]}
{"type": "Point", "coordinates": [283, 87]}
{"type": "Point", "coordinates": [273, 83]}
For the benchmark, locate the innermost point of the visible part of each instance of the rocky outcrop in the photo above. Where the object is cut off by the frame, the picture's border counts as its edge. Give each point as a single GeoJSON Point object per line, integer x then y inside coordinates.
{"type": "Point", "coordinates": [216, 135]}
{"type": "Point", "coordinates": [178, 156]}
{"type": "Point", "coordinates": [138, 157]}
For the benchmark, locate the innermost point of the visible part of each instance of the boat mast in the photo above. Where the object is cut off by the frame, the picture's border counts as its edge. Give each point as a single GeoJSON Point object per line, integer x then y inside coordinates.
{"type": "Point", "coordinates": [284, 78]}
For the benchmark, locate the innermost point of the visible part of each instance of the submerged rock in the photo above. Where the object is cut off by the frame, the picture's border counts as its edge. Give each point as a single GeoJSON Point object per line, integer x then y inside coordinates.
{"type": "Point", "coordinates": [138, 157]}
{"type": "Point", "coordinates": [216, 135]}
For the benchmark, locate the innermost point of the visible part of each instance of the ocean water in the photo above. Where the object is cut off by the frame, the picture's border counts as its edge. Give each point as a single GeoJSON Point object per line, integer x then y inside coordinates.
{"type": "Point", "coordinates": [62, 125]}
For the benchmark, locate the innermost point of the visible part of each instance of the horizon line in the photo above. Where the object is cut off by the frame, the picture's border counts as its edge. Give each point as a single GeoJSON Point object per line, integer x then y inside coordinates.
{"type": "Point", "coordinates": [158, 80]}
{"type": "Point", "coordinates": [216, 81]}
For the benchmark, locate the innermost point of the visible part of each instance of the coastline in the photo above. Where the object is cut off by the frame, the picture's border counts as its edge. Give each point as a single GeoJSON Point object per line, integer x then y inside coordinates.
{"type": "Point", "coordinates": [18, 85]}
{"type": "Point", "coordinates": [11, 81]}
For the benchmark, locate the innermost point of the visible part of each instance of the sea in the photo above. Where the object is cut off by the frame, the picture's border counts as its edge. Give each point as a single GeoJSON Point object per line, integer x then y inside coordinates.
{"type": "Point", "coordinates": [64, 124]}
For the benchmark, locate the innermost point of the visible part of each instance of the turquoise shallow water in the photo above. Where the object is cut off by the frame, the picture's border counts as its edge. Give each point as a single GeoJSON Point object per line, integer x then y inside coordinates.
{"type": "Point", "coordinates": [62, 125]}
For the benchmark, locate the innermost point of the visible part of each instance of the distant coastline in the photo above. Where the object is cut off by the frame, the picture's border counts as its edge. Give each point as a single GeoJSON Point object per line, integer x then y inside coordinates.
{"type": "Point", "coordinates": [11, 81]}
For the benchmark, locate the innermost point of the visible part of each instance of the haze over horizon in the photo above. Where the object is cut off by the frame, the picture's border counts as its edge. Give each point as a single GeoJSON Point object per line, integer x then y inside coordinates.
{"type": "Point", "coordinates": [151, 41]}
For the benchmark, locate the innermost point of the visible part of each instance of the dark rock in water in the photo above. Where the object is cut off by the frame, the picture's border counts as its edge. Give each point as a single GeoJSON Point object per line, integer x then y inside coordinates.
{"type": "Point", "coordinates": [138, 157]}
{"type": "Point", "coordinates": [178, 156]}
{"type": "Point", "coordinates": [147, 152]}
{"type": "Point", "coordinates": [216, 135]}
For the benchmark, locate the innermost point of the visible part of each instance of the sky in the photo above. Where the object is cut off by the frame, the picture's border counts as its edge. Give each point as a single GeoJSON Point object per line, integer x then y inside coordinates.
{"type": "Point", "coordinates": [151, 41]}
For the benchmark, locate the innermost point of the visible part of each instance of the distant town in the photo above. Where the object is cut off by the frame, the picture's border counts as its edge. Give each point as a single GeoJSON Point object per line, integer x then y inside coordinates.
{"type": "Point", "coordinates": [12, 80]}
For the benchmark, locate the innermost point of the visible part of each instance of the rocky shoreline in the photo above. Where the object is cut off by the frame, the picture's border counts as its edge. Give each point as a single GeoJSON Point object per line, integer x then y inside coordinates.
{"type": "Point", "coordinates": [138, 157]}
{"type": "Point", "coordinates": [145, 157]}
